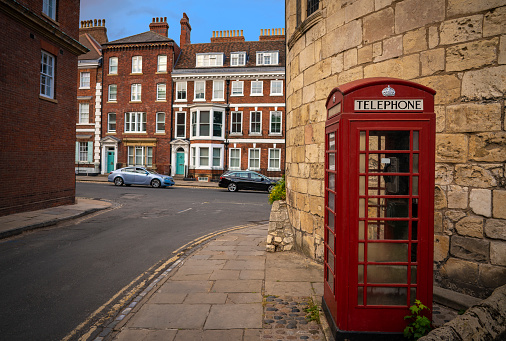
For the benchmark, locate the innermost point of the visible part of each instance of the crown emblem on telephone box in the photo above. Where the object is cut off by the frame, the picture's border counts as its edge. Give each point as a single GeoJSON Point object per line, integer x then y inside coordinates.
{"type": "Point", "coordinates": [388, 92]}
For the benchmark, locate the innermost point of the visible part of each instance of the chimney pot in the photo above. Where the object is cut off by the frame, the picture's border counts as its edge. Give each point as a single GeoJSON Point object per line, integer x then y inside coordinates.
{"type": "Point", "coordinates": [241, 33]}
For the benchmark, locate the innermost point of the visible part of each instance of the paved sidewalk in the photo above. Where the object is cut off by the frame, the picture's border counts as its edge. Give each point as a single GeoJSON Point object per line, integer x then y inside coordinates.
{"type": "Point", "coordinates": [17, 223]}
{"type": "Point", "coordinates": [230, 289]}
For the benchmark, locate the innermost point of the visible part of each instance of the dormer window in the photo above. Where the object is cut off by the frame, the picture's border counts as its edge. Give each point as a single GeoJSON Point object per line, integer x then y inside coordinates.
{"type": "Point", "coordinates": [268, 58]}
{"type": "Point", "coordinates": [209, 59]}
{"type": "Point", "coordinates": [238, 59]}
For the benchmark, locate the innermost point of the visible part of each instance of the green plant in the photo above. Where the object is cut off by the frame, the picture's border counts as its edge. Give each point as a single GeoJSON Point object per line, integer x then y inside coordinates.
{"type": "Point", "coordinates": [420, 325]}
{"type": "Point", "coordinates": [313, 311]}
{"type": "Point", "coordinates": [278, 192]}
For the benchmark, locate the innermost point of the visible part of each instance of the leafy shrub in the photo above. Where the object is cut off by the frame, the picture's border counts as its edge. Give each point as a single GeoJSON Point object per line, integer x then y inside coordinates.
{"type": "Point", "coordinates": [420, 325]}
{"type": "Point", "coordinates": [278, 192]}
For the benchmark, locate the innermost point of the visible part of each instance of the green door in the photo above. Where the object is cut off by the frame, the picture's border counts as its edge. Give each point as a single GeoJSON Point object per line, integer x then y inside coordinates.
{"type": "Point", "coordinates": [110, 161]}
{"type": "Point", "coordinates": [180, 163]}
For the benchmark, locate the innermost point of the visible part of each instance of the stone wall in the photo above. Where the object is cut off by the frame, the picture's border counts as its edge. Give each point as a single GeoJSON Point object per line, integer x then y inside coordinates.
{"type": "Point", "coordinates": [458, 48]}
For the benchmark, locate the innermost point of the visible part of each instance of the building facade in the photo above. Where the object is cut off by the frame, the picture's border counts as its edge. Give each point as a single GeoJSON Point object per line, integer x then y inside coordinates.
{"type": "Point", "coordinates": [137, 99]}
{"type": "Point", "coordinates": [229, 106]}
{"type": "Point", "coordinates": [39, 45]}
{"type": "Point", "coordinates": [89, 97]}
{"type": "Point", "coordinates": [455, 47]}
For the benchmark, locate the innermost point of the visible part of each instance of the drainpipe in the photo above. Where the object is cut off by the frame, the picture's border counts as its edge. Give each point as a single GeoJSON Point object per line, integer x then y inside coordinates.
{"type": "Point", "coordinates": [227, 114]}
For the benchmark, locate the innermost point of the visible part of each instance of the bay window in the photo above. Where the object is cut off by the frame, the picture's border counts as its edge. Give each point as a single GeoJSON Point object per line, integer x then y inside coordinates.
{"type": "Point", "coordinates": [140, 156]}
{"type": "Point", "coordinates": [206, 156]}
{"type": "Point", "coordinates": [207, 123]}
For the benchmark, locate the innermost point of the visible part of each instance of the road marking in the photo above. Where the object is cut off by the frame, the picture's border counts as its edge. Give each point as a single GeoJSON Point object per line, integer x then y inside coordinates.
{"type": "Point", "coordinates": [185, 210]}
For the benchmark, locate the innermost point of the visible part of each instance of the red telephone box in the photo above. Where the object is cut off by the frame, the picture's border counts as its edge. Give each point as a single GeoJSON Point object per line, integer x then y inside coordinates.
{"type": "Point", "coordinates": [379, 203]}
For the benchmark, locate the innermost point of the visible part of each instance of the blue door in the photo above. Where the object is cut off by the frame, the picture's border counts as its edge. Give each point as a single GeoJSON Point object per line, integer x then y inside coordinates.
{"type": "Point", "coordinates": [110, 161]}
{"type": "Point", "coordinates": [180, 163]}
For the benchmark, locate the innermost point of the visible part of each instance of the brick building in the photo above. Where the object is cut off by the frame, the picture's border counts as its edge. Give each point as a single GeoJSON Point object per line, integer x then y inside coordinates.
{"type": "Point", "coordinates": [229, 105]}
{"type": "Point", "coordinates": [39, 50]}
{"type": "Point", "coordinates": [455, 47]}
{"type": "Point", "coordinates": [137, 99]}
{"type": "Point", "coordinates": [89, 97]}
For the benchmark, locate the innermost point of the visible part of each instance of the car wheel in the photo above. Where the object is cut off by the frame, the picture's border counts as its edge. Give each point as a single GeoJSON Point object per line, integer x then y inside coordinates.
{"type": "Point", "coordinates": [118, 181]}
{"type": "Point", "coordinates": [155, 183]}
{"type": "Point", "coordinates": [270, 188]}
{"type": "Point", "coordinates": [232, 187]}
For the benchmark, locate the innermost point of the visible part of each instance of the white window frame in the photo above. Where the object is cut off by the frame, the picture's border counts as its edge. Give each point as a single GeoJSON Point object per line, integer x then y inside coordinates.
{"type": "Point", "coordinates": [255, 89]}
{"type": "Point", "coordinates": [250, 150]}
{"type": "Point", "coordinates": [180, 124]}
{"type": "Point", "coordinates": [197, 157]}
{"type": "Point", "coordinates": [203, 157]}
{"type": "Point", "coordinates": [85, 80]}
{"type": "Point", "coordinates": [218, 91]}
{"type": "Point", "coordinates": [111, 98]}
{"type": "Point", "coordinates": [144, 153]}
{"type": "Point", "coordinates": [47, 75]}
{"type": "Point", "coordinates": [137, 64]}
{"type": "Point", "coordinates": [270, 167]}
{"type": "Point", "coordinates": [198, 92]}
{"type": "Point", "coordinates": [251, 122]}
{"type": "Point", "coordinates": [110, 122]}
{"type": "Point", "coordinates": [238, 59]}
{"type": "Point", "coordinates": [209, 59]}
{"type": "Point", "coordinates": [181, 92]}
{"type": "Point", "coordinates": [232, 130]}
{"type": "Point", "coordinates": [113, 65]}
{"type": "Point", "coordinates": [230, 158]}
{"type": "Point", "coordinates": [135, 122]}
{"type": "Point", "coordinates": [136, 93]}
{"type": "Point", "coordinates": [83, 152]}
{"type": "Point", "coordinates": [214, 157]}
{"type": "Point", "coordinates": [84, 113]}
{"type": "Point", "coordinates": [161, 92]}
{"type": "Point", "coordinates": [49, 8]}
{"type": "Point", "coordinates": [196, 123]}
{"type": "Point", "coordinates": [271, 132]}
{"type": "Point", "coordinates": [267, 57]}
{"type": "Point", "coordinates": [160, 122]}
{"type": "Point", "coordinates": [280, 87]}
{"type": "Point", "coordinates": [161, 65]}
{"type": "Point", "coordinates": [237, 88]}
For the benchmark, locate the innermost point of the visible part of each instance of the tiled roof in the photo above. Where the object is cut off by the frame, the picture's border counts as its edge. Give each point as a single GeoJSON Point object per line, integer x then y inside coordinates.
{"type": "Point", "coordinates": [187, 59]}
{"type": "Point", "coordinates": [95, 50]}
{"type": "Point", "coordinates": [146, 37]}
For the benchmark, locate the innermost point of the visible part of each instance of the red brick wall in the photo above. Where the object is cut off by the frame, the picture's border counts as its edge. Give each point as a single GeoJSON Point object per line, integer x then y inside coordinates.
{"type": "Point", "coordinates": [149, 80]}
{"type": "Point", "coordinates": [37, 136]}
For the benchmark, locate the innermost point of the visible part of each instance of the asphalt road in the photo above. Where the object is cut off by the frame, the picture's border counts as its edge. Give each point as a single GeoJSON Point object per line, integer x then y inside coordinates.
{"type": "Point", "coordinates": [53, 279]}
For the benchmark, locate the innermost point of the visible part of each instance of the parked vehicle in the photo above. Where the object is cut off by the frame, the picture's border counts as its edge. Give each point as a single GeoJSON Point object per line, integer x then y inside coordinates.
{"type": "Point", "coordinates": [236, 180]}
{"type": "Point", "coordinates": [139, 176]}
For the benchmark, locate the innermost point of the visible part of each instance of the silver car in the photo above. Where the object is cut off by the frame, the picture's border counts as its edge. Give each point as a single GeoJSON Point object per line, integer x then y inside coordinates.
{"type": "Point", "coordinates": [139, 176]}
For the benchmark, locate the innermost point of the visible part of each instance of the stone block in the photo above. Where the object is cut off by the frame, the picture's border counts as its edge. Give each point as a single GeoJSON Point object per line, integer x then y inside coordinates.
{"type": "Point", "coordinates": [461, 270]}
{"type": "Point", "coordinates": [407, 67]}
{"type": "Point", "coordinates": [337, 63]}
{"type": "Point", "coordinates": [471, 117]}
{"type": "Point", "coordinates": [470, 227]}
{"type": "Point", "coordinates": [377, 49]}
{"type": "Point", "coordinates": [392, 48]}
{"type": "Point", "coordinates": [457, 197]}
{"type": "Point", "coordinates": [342, 38]}
{"type": "Point", "coordinates": [461, 30]}
{"type": "Point", "coordinates": [315, 187]}
{"type": "Point", "coordinates": [378, 25]}
{"type": "Point", "coordinates": [351, 75]}
{"type": "Point", "coordinates": [316, 72]}
{"type": "Point", "coordinates": [451, 148]}
{"type": "Point", "coordinates": [441, 247]}
{"type": "Point", "coordinates": [269, 239]}
{"type": "Point", "coordinates": [499, 204]}
{"type": "Point", "coordinates": [480, 201]}
{"type": "Point", "coordinates": [471, 55]}
{"type": "Point", "coordinates": [350, 58]}
{"type": "Point", "coordinates": [306, 58]}
{"type": "Point", "coordinates": [439, 198]}
{"type": "Point", "coordinates": [410, 15]}
{"type": "Point", "coordinates": [322, 90]}
{"type": "Point", "coordinates": [444, 174]}
{"type": "Point", "coordinates": [492, 276]}
{"type": "Point", "coordinates": [502, 51]}
{"type": "Point", "coordinates": [357, 9]}
{"type": "Point", "coordinates": [485, 83]}
{"type": "Point", "coordinates": [496, 228]}
{"type": "Point", "coordinates": [306, 221]}
{"type": "Point", "coordinates": [447, 87]}
{"type": "Point", "coordinates": [415, 41]}
{"type": "Point", "coordinates": [433, 37]}
{"type": "Point", "coordinates": [470, 248]}
{"type": "Point", "coordinates": [438, 222]}
{"type": "Point", "coordinates": [488, 147]}
{"type": "Point", "coordinates": [498, 253]}
{"type": "Point", "coordinates": [459, 7]}
{"type": "Point", "coordinates": [493, 22]}
{"type": "Point", "coordinates": [432, 61]}
{"type": "Point", "coordinates": [308, 93]}
{"type": "Point", "coordinates": [474, 176]}
{"type": "Point", "coordinates": [364, 54]}
{"type": "Point", "coordinates": [455, 215]}
{"type": "Point", "coordinates": [379, 4]}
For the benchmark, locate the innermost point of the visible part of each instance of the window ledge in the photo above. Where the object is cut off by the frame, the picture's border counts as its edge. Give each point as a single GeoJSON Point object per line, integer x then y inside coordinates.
{"type": "Point", "coordinates": [180, 101]}
{"type": "Point", "coordinates": [135, 102]}
{"type": "Point", "coordinates": [256, 95]}
{"type": "Point", "coordinates": [199, 100]}
{"type": "Point", "coordinates": [85, 88]}
{"type": "Point", "coordinates": [161, 101]}
{"type": "Point", "coordinates": [160, 133]}
{"type": "Point", "coordinates": [276, 94]}
{"type": "Point", "coordinates": [112, 101]}
{"type": "Point", "coordinates": [111, 133]}
{"type": "Point", "coordinates": [255, 134]}
{"type": "Point", "coordinates": [161, 72]}
{"type": "Point", "coordinates": [52, 100]}
{"type": "Point", "coordinates": [236, 95]}
{"type": "Point", "coordinates": [217, 99]}
{"type": "Point", "coordinates": [135, 132]}
{"type": "Point", "coordinates": [112, 74]}
{"type": "Point", "coordinates": [135, 73]}
{"type": "Point", "coordinates": [236, 134]}
{"type": "Point", "coordinates": [275, 134]}
{"type": "Point", "coordinates": [274, 169]}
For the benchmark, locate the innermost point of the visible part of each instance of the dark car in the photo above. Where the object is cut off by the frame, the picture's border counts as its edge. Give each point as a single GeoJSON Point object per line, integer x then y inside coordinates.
{"type": "Point", "coordinates": [236, 180]}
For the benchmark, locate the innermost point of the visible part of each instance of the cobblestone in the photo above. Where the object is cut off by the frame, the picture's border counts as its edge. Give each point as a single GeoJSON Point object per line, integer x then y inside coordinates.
{"type": "Point", "coordinates": [285, 319]}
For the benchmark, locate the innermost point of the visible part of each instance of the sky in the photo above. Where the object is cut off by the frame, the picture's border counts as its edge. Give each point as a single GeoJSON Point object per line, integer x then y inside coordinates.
{"type": "Point", "coordinates": [124, 18]}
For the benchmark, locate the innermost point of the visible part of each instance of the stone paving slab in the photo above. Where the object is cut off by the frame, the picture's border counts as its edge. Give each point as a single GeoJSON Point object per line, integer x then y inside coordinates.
{"type": "Point", "coordinates": [164, 316]}
{"type": "Point", "coordinates": [234, 316]}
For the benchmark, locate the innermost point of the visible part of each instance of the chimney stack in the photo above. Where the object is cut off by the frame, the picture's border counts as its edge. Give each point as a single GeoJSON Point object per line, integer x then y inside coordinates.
{"type": "Point", "coordinates": [96, 29]}
{"type": "Point", "coordinates": [272, 34]}
{"type": "Point", "coordinates": [227, 36]}
{"type": "Point", "coordinates": [184, 39]}
{"type": "Point", "coordinates": [159, 25]}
